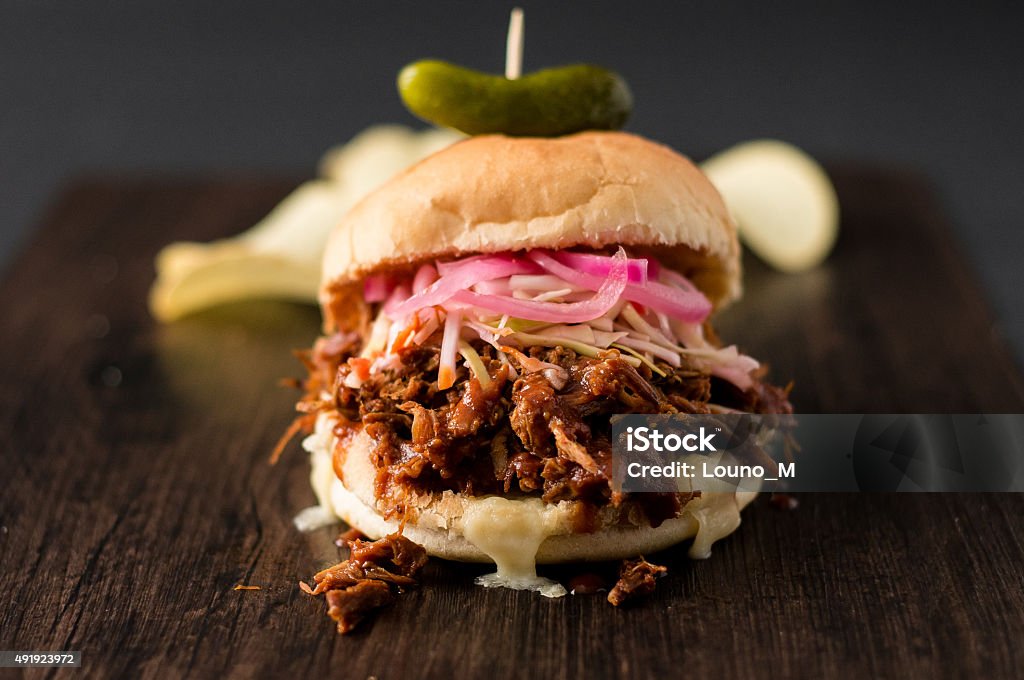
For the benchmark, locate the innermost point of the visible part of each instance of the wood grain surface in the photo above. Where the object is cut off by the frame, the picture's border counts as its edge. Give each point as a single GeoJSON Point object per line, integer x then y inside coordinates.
{"type": "Point", "coordinates": [135, 492]}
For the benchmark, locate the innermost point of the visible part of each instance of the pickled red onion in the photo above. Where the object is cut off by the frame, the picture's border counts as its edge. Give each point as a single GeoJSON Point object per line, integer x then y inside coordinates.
{"type": "Point", "coordinates": [394, 300]}
{"type": "Point", "coordinates": [688, 305]}
{"type": "Point", "coordinates": [425, 276]}
{"type": "Point", "coordinates": [457, 276]}
{"type": "Point", "coordinates": [376, 288]}
{"type": "Point", "coordinates": [603, 300]}
{"type": "Point", "coordinates": [600, 265]}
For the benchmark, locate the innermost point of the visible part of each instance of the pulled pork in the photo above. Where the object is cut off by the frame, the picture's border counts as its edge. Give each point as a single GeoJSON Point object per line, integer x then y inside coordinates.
{"type": "Point", "coordinates": [368, 579]}
{"type": "Point", "coordinates": [545, 432]}
{"type": "Point", "coordinates": [636, 579]}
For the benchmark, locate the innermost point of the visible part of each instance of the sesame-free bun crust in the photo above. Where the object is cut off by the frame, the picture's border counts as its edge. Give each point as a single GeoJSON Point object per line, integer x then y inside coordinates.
{"type": "Point", "coordinates": [493, 194]}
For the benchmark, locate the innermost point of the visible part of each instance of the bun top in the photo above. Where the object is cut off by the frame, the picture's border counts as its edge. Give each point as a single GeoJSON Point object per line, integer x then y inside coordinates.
{"type": "Point", "coordinates": [492, 194]}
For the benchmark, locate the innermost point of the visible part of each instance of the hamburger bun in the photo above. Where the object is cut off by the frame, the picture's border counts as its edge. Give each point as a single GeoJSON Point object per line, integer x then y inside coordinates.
{"type": "Point", "coordinates": [494, 194]}
{"type": "Point", "coordinates": [436, 521]}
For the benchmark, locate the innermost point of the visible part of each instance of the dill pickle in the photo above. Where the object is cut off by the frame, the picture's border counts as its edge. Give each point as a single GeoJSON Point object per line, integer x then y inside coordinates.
{"type": "Point", "coordinates": [546, 103]}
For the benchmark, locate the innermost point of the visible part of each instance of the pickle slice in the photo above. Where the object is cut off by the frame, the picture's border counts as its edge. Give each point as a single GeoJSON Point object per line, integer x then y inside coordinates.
{"type": "Point", "coordinates": [547, 103]}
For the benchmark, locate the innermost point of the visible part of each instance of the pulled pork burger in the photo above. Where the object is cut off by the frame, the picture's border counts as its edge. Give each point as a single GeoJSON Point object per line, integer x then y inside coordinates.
{"type": "Point", "coordinates": [486, 312]}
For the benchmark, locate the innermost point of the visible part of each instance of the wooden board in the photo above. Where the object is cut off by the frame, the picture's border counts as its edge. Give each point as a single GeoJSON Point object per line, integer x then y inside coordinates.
{"type": "Point", "coordinates": [136, 493]}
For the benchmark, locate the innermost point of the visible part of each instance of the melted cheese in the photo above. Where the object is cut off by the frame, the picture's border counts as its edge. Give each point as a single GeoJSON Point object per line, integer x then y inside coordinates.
{"type": "Point", "coordinates": [321, 474]}
{"type": "Point", "coordinates": [717, 515]}
{"type": "Point", "coordinates": [716, 519]}
{"type": "Point", "coordinates": [314, 517]}
{"type": "Point", "coordinates": [510, 533]}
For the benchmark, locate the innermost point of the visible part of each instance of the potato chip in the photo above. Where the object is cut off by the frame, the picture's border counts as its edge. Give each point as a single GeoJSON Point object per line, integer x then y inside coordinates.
{"type": "Point", "coordinates": [279, 258]}
{"type": "Point", "coordinates": [782, 200]}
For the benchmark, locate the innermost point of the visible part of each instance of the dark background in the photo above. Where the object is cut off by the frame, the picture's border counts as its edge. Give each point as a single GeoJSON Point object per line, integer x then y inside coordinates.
{"type": "Point", "coordinates": [199, 87]}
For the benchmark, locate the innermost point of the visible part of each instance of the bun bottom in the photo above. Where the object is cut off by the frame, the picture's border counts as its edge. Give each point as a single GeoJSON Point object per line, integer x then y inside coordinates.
{"type": "Point", "coordinates": [440, 522]}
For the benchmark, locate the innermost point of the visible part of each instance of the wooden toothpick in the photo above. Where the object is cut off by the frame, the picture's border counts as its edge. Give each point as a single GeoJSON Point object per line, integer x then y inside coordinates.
{"type": "Point", "coordinates": [514, 45]}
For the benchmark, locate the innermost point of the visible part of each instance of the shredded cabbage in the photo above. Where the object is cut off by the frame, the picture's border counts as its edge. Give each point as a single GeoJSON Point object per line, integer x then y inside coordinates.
{"type": "Point", "coordinates": [588, 303]}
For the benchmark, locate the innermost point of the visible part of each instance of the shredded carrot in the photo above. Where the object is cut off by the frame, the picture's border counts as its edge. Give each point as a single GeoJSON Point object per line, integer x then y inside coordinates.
{"type": "Point", "coordinates": [242, 587]}
{"type": "Point", "coordinates": [303, 421]}
{"type": "Point", "coordinates": [361, 367]}
{"type": "Point", "coordinates": [403, 338]}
